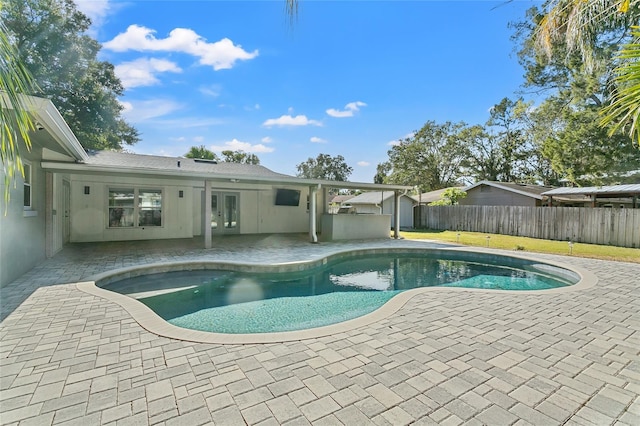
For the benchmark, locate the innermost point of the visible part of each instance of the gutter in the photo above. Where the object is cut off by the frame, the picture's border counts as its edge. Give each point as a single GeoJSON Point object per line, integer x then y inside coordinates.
{"type": "Point", "coordinates": [182, 174]}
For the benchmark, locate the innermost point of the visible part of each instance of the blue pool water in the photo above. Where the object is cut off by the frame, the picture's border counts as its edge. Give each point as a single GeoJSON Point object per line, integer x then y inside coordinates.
{"type": "Point", "coordinates": [235, 302]}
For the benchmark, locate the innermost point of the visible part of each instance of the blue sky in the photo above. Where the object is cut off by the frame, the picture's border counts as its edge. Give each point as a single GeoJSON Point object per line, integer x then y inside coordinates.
{"type": "Point", "coordinates": [347, 78]}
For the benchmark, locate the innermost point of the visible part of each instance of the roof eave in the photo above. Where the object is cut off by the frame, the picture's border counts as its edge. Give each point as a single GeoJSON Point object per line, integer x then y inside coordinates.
{"type": "Point", "coordinates": [506, 188]}
{"type": "Point", "coordinates": [180, 174]}
{"type": "Point", "coordinates": [46, 114]}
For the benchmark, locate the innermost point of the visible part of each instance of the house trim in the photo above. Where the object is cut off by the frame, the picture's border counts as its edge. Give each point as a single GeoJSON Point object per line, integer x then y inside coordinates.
{"type": "Point", "coordinates": [503, 187]}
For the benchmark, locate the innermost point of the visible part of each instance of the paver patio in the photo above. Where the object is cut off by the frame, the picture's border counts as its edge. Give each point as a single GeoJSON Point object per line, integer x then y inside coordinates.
{"type": "Point", "coordinates": [447, 357]}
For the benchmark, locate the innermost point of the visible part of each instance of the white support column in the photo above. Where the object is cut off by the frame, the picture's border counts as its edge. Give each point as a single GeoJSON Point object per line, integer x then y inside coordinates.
{"type": "Point", "coordinates": [313, 193]}
{"type": "Point", "coordinates": [207, 214]}
{"type": "Point", "coordinates": [396, 213]}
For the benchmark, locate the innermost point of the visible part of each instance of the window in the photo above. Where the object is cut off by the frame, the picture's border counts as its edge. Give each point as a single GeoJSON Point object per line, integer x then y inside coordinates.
{"type": "Point", "coordinates": [149, 207]}
{"type": "Point", "coordinates": [126, 212]}
{"type": "Point", "coordinates": [27, 186]}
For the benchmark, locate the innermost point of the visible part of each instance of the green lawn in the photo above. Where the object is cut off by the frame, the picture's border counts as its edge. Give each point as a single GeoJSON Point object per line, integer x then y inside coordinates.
{"type": "Point", "coordinates": [527, 244]}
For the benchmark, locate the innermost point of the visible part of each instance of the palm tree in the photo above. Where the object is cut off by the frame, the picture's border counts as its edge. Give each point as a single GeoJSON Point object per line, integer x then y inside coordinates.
{"type": "Point", "coordinates": [624, 110]}
{"type": "Point", "coordinates": [579, 24]}
{"type": "Point", "coordinates": [15, 121]}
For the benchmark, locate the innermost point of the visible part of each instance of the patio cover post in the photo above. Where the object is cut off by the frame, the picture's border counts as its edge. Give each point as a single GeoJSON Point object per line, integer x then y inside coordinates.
{"type": "Point", "coordinates": [396, 213]}
{"type": "Point", "coordinates": [313, 192]}
{"type": "Point", "coordinates": [207, 214]}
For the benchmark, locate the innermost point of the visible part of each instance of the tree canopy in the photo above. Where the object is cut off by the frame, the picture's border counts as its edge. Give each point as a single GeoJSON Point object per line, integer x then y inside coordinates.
{"type": "Point", "coordinates": [589, 49]}
{"type": "Point", "coordinates": [202, 152]}
{"type": "Point", "coordinates": [450, 197]}
{"type": "Point", "coordinates": [240, 157]}
{"type": "Point", "coordinates": [51, 39]}
{"type": "Point", "coordinates": [325, 167]}
{"type": "Point", "coordinates": [431, 158]}
{"type": "Point", "coordinates": [228, 156]}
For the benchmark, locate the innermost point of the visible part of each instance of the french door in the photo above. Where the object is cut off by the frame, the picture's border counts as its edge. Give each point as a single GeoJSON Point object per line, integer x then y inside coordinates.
{"type": "Point", "coordinates": [225, 217]}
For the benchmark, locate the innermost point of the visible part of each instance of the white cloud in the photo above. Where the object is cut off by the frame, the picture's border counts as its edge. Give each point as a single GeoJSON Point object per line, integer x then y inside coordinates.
{"type": "Point", "coordinates": [222, 54]}
{"type": "Point", "coordinates": [212, 90]}
{"type": "Point", "coordinates": [363, 163]}
{"type": "Point", "coordinates": [315, 139]}
{"type": "Point", "coordinates": [96, 10]}
{"type": "Point", "coordinates": [349, 110]}
{"type": "Point", "coordinates": [393, 143]}
{"type": "Point", "coordinates": [138, 111]}
{"type": "Point", "coordinates": [236, 145]}
{"type": "Point", "coordinates": [198, 139]}
{"type": "Point", "coordinates": [287, 120]}
{"type": "Point", "coordinates": [143, 71]}
{"type": "Point", "coordinates": [266, 139]}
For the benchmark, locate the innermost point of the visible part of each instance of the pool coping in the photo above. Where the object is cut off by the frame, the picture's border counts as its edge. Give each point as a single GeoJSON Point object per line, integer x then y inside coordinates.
{"type": "Point", "coordinates": [153, 323]}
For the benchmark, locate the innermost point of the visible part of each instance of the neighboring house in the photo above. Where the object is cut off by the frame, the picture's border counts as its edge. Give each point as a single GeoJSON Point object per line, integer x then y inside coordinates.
{"type": "Point", "coordinates": [337, 201]}
{"type": "Point", "coordinates": [488, 193]}
{"type": "Point", "coordinates": [69, 195]}
{"type": "Point", "coordinates": [381, 202]}
{"type": "Point", "coordinates": [429, 197]}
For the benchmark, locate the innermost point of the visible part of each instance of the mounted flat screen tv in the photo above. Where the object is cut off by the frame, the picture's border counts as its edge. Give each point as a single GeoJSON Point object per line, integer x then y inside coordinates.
{"type": "Point", "coordinates": [287, 197]}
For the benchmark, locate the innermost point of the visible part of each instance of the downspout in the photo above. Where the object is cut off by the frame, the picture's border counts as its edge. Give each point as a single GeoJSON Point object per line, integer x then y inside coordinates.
{"type": "Point", "coordinates": [396, 215]}
{"type": "Point", "coordinates": [313, 192]}
{"type": "Point", "coordinates": [207, 214]}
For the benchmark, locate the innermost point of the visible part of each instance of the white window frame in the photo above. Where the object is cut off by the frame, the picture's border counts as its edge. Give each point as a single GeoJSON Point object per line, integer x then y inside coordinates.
{"type": "Point", "coordinates": [137, 208]}
{"type": "Point", "coordinates": [28, 183]}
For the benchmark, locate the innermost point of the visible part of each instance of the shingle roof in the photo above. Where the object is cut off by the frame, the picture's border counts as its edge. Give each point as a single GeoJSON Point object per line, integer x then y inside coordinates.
{"type": "Point", "coordinates": [534, 191]}
{"type": "Point", "coordinates": [430, 197]}
{"type": "Point", "coordinates": [340, 198]}
{"type": "Point", "coordinates": [372, 197]}
{"type": "Point", "coordinates": [156, 162]}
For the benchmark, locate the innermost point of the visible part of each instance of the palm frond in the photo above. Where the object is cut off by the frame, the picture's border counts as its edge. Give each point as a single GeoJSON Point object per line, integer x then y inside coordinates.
{"type": "Point", "coordinates": [624, 110]}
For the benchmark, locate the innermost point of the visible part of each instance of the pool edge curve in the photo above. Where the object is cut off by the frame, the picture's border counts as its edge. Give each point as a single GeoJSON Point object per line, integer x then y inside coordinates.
{"type": "Point", "coordinates": [153, 323]}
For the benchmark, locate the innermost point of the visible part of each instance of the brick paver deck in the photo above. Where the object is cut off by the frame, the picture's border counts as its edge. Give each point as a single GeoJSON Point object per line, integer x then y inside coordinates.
{"type": "Point", "coordinates": [457, 357]}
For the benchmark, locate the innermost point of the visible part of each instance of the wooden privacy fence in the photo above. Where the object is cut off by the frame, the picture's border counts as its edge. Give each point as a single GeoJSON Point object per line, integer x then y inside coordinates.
{"type": "Point", "coordinates": [615, 227]}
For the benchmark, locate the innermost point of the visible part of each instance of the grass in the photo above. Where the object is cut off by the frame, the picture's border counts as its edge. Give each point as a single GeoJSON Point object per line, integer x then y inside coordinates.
{"type": "Point", "coordinates": [535, 245]}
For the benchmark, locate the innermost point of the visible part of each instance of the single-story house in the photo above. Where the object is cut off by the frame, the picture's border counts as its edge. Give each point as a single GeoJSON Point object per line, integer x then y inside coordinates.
{"type": "Point", "coordinates": [337, 201]}
{"type": "Point", "coordinates": [71, 195]}
{"type": "Point", "coordinates": [489, 193]}
{"type": "Point", "coordinates": [427, 198]}
{"type": "Point", "coordinates": [382, 202]}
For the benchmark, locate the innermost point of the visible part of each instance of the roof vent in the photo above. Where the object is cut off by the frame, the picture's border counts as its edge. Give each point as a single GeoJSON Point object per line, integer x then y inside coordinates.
{"type": "Point", "coordinates": [204, 160]}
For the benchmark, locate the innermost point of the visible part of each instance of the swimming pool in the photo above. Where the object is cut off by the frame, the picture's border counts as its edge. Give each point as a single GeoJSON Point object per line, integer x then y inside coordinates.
{"type": "Point", "coordinates": [248, 299]}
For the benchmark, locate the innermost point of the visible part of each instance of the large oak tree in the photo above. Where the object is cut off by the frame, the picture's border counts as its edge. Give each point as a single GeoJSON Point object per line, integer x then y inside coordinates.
{"type": "Point", "coordinates": [52, 42]}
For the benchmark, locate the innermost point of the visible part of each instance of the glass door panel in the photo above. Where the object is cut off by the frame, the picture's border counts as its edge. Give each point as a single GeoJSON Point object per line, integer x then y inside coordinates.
{"type": "Point", "coordinates": [214, 211]}
{"type": "Point", "coordinates": [230, 212]}
{"type": "Point", "coordinates": [224, 213]}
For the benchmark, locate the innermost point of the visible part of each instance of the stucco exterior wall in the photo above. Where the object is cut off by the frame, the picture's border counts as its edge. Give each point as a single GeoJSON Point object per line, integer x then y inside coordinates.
{"type": "Point", "coordinates": [181, 217]}
{"type": "Point", "coordinates": [354, 226]}
{"type": "Point", "coordinates": [485, 195]}
{"type": "Point", "coordinates": [22, 234]}
{"type": "Point", "coordinates": [89, 212]}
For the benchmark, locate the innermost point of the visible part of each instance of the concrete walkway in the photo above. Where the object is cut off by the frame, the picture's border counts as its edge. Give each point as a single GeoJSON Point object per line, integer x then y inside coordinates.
{"type": "Point", "coordinates": [449, 358]}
